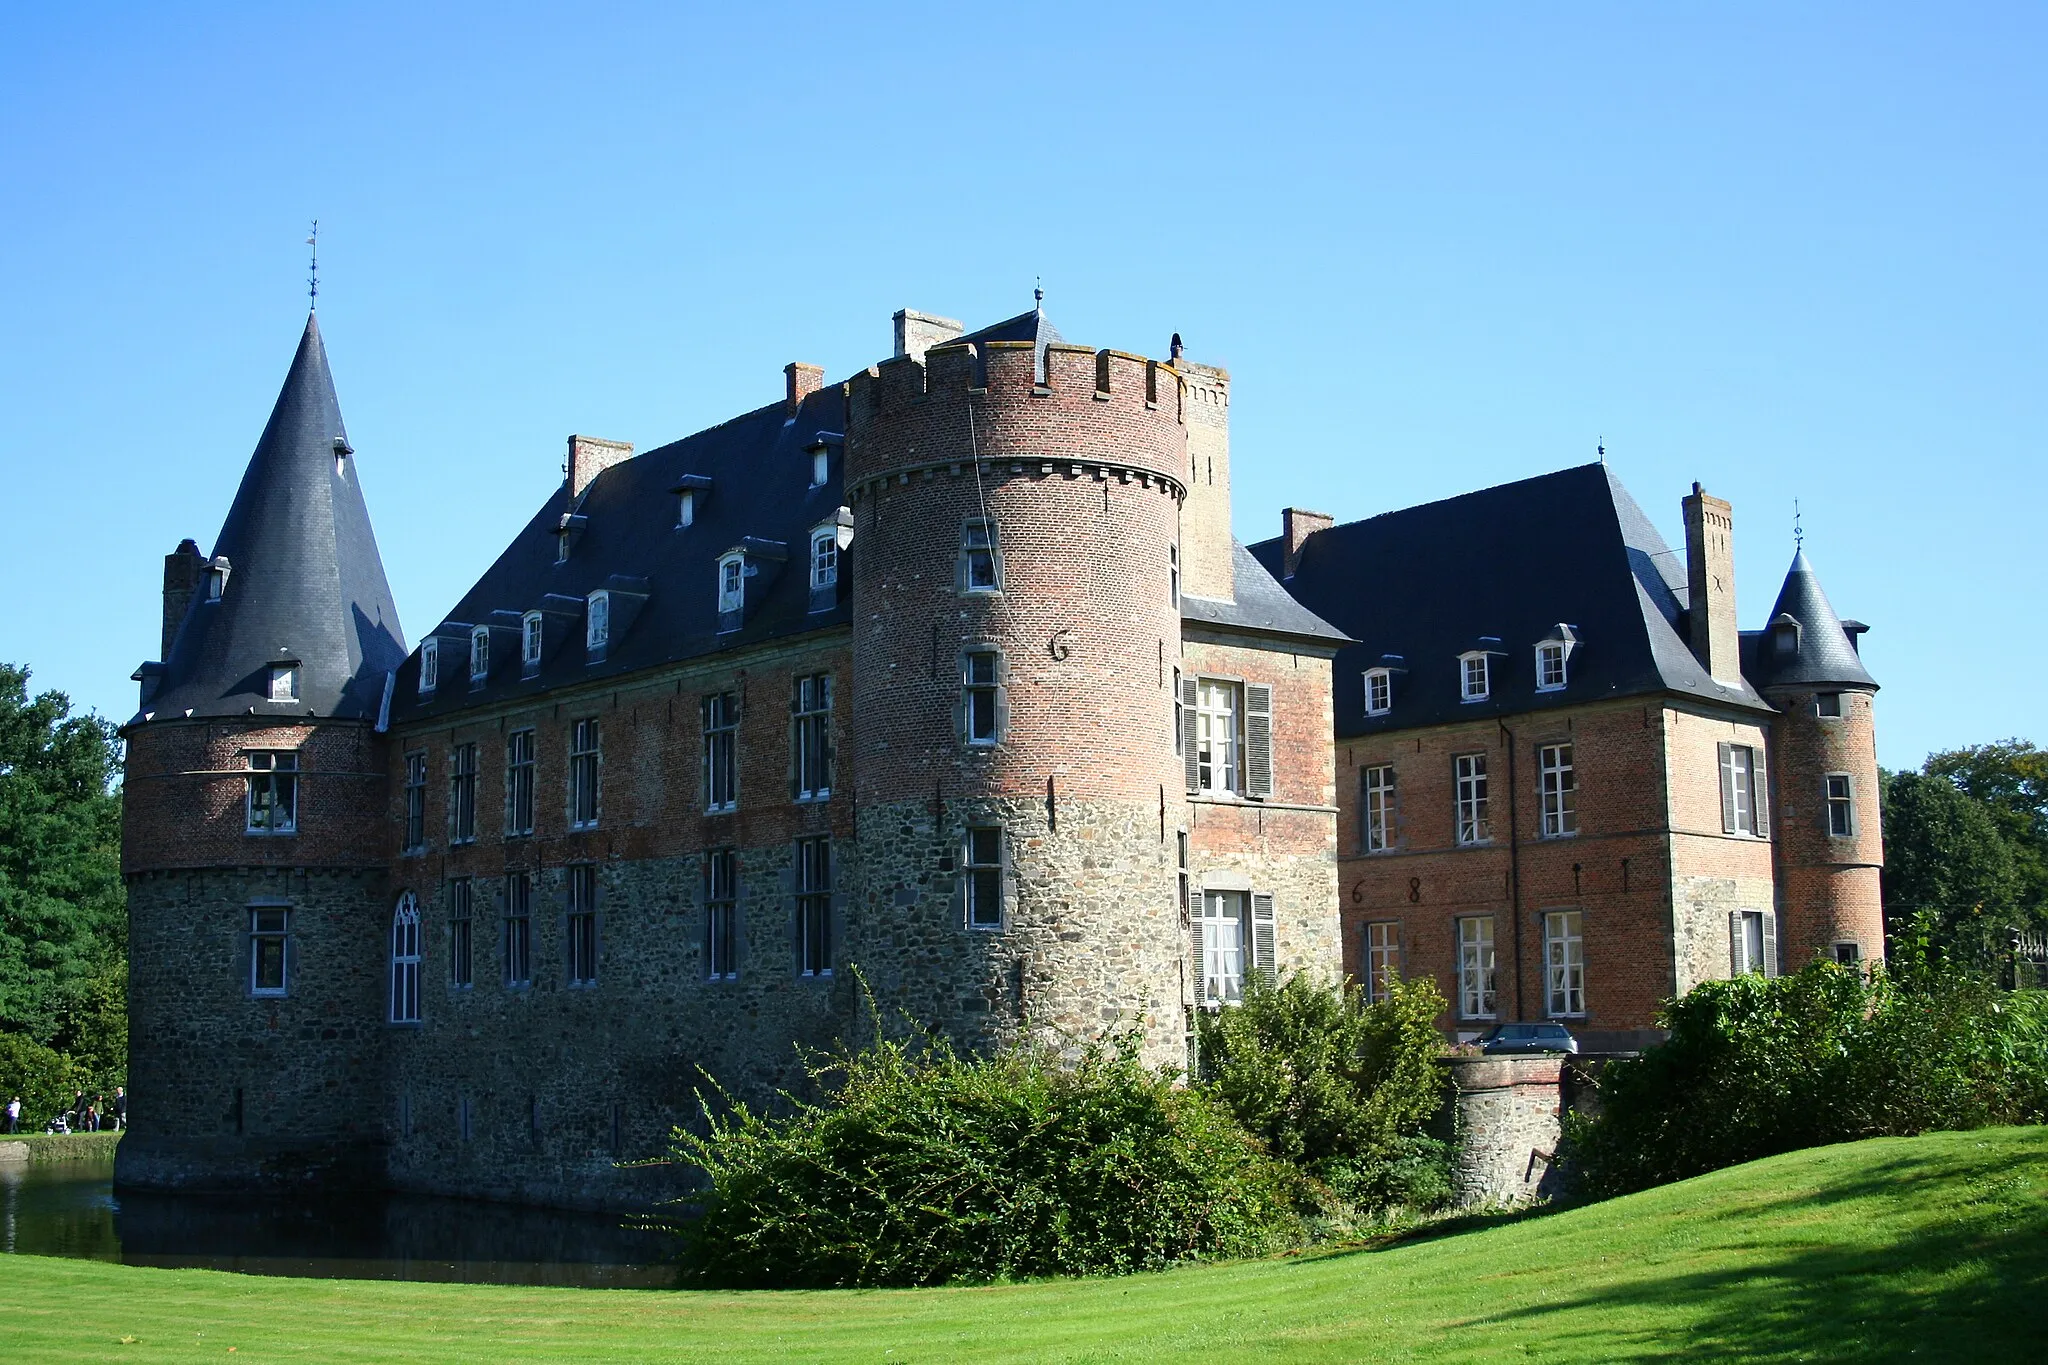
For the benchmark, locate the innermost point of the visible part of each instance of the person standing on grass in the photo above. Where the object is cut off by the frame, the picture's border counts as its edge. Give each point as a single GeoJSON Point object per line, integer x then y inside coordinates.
{"type": "Point", "coordinates": [120, 1108]}
{"type": "Point", "coordinates": [14, 1114]}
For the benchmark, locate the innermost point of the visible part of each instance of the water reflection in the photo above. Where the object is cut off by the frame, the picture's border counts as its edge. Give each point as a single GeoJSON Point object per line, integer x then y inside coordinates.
{"type": "Point", "coordinates": [67, 1209]}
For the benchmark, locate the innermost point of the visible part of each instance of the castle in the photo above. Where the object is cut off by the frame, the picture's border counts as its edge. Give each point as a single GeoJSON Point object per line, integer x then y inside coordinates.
{"type": "Point", "coordinates": [952, 674]}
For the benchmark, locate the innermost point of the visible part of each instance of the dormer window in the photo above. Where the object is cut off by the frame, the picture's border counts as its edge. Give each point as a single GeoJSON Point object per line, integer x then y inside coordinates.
{"type": "Point", "coordinates": [479, 654]}
{"type": "Point", "coordinates": [1474, 676]}
{"type": "Point", "coordinates": [530, 637]}
{"type": "Point", "coordinates": [597, 621]}
{"type": "Point", "coordinates": [1379, 691]}
{"type": "Point", "coordinates": [216, 578]}
{"type": "Point", "coordinates": [284, 682]}
{"type": "Point", "coordinates": [731, 576]}
{"type": "Point", "coordinates": [824, 558]}
{"type": "Point", "coordinates": [430, 665]}
{"type": "Point", "coordinates": [562, 546]}
{"type": "Point", "coordinates": [1550, 674]}
{"type": "Point", "coordinates": [686, 507]}
{"type": "Point", "coordinates": [1785, 633]}
{"type": "Point", "coordinates": [821, 466]}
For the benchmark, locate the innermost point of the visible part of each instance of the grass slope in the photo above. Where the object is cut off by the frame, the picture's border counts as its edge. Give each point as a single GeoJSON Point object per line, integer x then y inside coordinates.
{"type": "Point", "coordinates": [1933, 1247]}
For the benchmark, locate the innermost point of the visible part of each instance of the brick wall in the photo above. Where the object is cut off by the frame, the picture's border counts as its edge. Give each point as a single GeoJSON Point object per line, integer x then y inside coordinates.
{"type": "Point", "coordinates": [1829, 884]}
{"type": "Point", "coordinates": [1713, 873]}
{"type": "Point", "coordinates": [1206, 561]}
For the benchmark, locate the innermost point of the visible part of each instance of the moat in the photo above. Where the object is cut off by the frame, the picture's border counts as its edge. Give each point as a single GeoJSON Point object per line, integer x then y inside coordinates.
{"type": "Point", "coordinates": [72, 1209]}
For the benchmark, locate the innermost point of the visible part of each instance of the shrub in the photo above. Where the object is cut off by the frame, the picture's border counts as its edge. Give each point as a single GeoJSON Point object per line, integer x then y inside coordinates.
{"type": "Point", "coordinates": [923, 1166]}
{"type": "Point", "coordinates": [44, 1078]}
{"type": "Point", "coordinates": [1338, 1087]}
{"type": "Point", "coordinates": [1754, 1067]}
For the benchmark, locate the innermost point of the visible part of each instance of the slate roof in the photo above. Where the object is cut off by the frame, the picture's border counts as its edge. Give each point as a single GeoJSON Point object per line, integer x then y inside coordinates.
{"type": "Point", "coordinates": [1032, 326]}
{"type": "Point", "coordinates": [1825, 655]}
{"type": "Point", "coordinates": [305, 580]}
{"type": "Point", "coordinates": [1499, 569]}
{"type": "Point", "coordinates": [758, 497]}
{"type": "Point", "coordinates": [1262, 607]}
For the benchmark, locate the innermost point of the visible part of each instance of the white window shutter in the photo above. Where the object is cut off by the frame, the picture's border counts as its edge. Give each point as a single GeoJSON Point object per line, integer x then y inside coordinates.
{"type": "Point", "coordinates": [1770, 962]}
{"type": "Point", "coordinates": [1195, 943]}
{"type": "Point", "coordinates": [1759, 785]}
{"type": "Point", "coordinates": [1263, 946]}
{"type": "Point", "coordinates": [1258, 739]}
{"type": "Point", "coordinates": [1726, 753]}
{"type": "Point", "coordinates": [1736, 966]}
{"type": "Point", "coordinates": [1190, 697]}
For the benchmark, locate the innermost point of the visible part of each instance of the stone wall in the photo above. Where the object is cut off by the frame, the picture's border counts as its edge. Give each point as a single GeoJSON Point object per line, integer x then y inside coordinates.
{"type": "Point", "coordinates": [1504, 1112]}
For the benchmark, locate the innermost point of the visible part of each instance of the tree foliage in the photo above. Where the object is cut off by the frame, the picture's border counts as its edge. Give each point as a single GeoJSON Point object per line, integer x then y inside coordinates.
{"type": "Point", "coordinates": [2010, 779]}
{"type": "Point", "coordinates": [1947, 865]}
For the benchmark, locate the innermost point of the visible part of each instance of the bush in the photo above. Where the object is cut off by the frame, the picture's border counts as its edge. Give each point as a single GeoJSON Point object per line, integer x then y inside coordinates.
{"type": "Point", "coordinates": [44, 1078]}
{"type": "Point", "coordinates": [923, 1166]}
{"type": "Point", "coordinates": [1754, 1067]}
{"type": "Point", "coordinates": [1339, 1088]}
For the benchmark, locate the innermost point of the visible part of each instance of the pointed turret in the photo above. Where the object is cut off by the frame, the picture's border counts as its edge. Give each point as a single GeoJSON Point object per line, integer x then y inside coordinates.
{"type": "Point", "coordinates": [1805, 644]}
{"type": "Point", "coordinates": [294, 582]}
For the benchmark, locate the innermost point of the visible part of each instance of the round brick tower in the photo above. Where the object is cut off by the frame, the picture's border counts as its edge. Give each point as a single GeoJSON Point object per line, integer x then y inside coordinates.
{"type": "Point", "coordinates": [1829, 834]}
{"type": "Point", "coordinates": [1015, 505]}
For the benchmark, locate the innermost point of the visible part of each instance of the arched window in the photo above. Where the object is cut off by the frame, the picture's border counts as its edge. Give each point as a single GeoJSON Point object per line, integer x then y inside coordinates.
{"type": "Point", "coordinates": [405, 961]}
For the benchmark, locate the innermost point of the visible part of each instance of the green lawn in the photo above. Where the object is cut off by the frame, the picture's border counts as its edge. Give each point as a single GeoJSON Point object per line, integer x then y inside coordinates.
{"type": "Point", "coordinates": [1934, 1248]}
{"type": "Point", "coordinates": [67, 1146]}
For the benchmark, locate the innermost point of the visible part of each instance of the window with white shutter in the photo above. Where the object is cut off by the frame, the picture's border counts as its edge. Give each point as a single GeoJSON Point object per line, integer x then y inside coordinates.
{"type": "Point", "coordinates": [1258, 739]}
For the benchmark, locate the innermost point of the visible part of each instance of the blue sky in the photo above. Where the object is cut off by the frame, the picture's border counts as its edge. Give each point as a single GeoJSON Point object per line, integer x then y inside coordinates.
{"type": "Point", "coordinates": [1790, 251]}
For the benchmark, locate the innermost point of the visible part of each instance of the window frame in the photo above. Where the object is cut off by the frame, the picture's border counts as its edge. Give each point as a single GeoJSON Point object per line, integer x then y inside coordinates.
{"type": "Point", "coordinates": [732, 582]}
{"type": "Point", "coordinates": [1381, 957]}
{"type": "Point", "coordinates": [1822, 701]}
{"type": "Point", "coordinates": [407, 958]}
{"type": "Point", "coordinates": [462, 785]}
{"type": "Point", "coordinates": [284, 683]}
{"type": "Point", "coordinates": [278, 775]}
{"type": "Point", "coordinates": [1564, 963]}
{"type": "Point", "coordinates": [414, 792]}
{"type": "Point", "coordinates": [1173, 574]}
{"type": "Point", "coordinates": [1478, 969]}
{"type": "Point", "coordinates": [811, 736]}
{"type": "Point", "coordinates": [811, 862]}
{"type": "Point", "coordinates": [586, 764]}
{"type": "Point", "coordinates": [982, 878]}
{"type": "Point", "coordinates": [461, 933]}
{"type": "Point", "coordinates": [580, 946]}
{"type": "Point", "coordinates": [522, 781]}
{"type": "Point", "coordinates": [1216, 957]}
{"type": "Point", "coordinates": [721, 914]}
{"type": "Point", "coordinates": [532, 639]}
{"type": "Point", "coordinates": [1472, 803]}
{"type": "Point", "coordinates": [479, 655]}
{"type": "Point", "coordinates": [1744, 796]}
{"type": "Point", "coordinates": [1377, 798]}
{"type": "Point", "coordinates": [1547, 652]}
{"type": "Point", "coordinates": [1382, 681]}
{"type": "Point", "coordinates": [1557, 790]}
{"type": "Point", "coordinates": [597, 621]}
{"type": "Point", "coordinates": [1475, 663]}
{"type": "Point", "coordinates": [263, 936]}
{"type": "Point", "coordinates": [824, 558]}
{"type": "Point", "coordinates": [686, 508]}
{"type": "Point", "coordinates": [517, 958]}
{"type": "Point", "coordinates": [430, 666]}
{"type": "Point", "coordinates": [719, 713]}
{"type": "Point", "coordinates": [1230, 767]}
{"type": "Point", "coordinates": [972, 553]}
{"type": "Point", "coordinates": [1843, 805]}
{"type": "Point", "coordinates": [979, 694]}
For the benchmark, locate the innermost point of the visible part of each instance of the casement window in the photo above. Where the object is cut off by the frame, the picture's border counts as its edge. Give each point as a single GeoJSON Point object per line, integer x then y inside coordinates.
{"type": "Point", "coordinates": [479, 654]}
{"type": "Point", "coordinates": [580, 955]}
{"type": "Point", "coordinates": [1752, 942]}
{"type": "Point", "coordinates": [1180, 719]}
{"type": "Point", "coordinates": [1180, 840]}
{"type": "Point", "coordinates": [1376, 809]}
{"type": "Point", "coordinates": [531, 629]}
{"type": "Point", "coordinates": [518, 929]}
{"type": "Point", "coordinates": [1564, 963]}
{"type": "Point", "coordinates": [980, 564]}
{"type": "Point", "coordinates": [1233, 934]}
{"type": "Point", "coordinates": [1550, 666]}
{"type": "Point", "coordinates": [1173, 575]}
{"type": "Point", "coordinates": [731, 583]}
{"type": "Point", "coordinates": [584, 757]}
{"type": "Point", "coordinates": [405, 961]}
{"type": "Point", "coordinates": [461, 938]}
{"type": "Point", "coordinates": [1848, 954]}
{"type": "Point", "coordinates": [983, 874]}
{"type": "Point", "coordinates": [1557, 786]}
{"type": "Point", "coordinates": [430, 665]}
{"type": "Point", "coordinates": [272, 799]}
{"type": "Point", "coordinates": [721, 915]}
{"type": "Point", "coordinates": [1827, 705]}
{"type": "Point", "coordinates": [981, 673]}
{"type": "Point", "coordinates": [824, 559]}
{"type": "Point", "coordinates": [415, 802]}
{"type": "Point", "coordinates": [821, 466]}
{"type": "Point", "coordinates": [269, 936]}
{"type": "Point", "coordinates": [1474, 823]}
{"type": "Point", "coordinates": [519, 782]}
{"type": "Point", "coordinates": [686, 508]}
{"type": "Point", "coordinates": [1841, 806]}
{"type": "Point", "coordinates": [1475, 680]}
{"type": "Point", "coordinates": [814, 907]}
{"type": "Point", "coordinates": [462, 794]}
{"type": "Point", "coordinates": [1379, 691]}
{"type": "Point", "coordinates": [284, 683]}
{"type": "Point", "coordinates": [1476, 999]}
{"type": "Point", "coordinates": [721, 715]}
{"type": "Point", "coordinates": [597, 621]}
{"type": "Point", "coordinates": [1743, 805]}
{"type": "Point", "coordinates": [1382, 958]}
{"type": "Point", "coordinates": [1218, 737]}
{"type": "Point", "coordinates": [810, 705]}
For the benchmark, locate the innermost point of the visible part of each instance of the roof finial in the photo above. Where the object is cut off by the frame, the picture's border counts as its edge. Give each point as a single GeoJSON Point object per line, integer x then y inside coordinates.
{"type": "Point", "coordinates": [1798, 530]}
{"type": "Point", "coordinates": [1038, 294]}
{"type": "Point", "coordinates": [313, 279]}
{"type": "Point", "coordinates": [1601, 450]}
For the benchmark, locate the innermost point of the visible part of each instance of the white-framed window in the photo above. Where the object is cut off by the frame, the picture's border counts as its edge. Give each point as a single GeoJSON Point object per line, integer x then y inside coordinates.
{"type": "Point", "coordinates": [814, 907]}
{"type": "Point", "coordinates": [1219, 737]}
{"type": "Point", "coordinates": [1742, 791]}
{"type": "Point", "coordinates": [479, 654]}
{"type": "Point", "coordinates": [1173, 575]}
{"type": "Point", "coordinates": [1750, 944]}
{"type": "Point", "coordinates": [1841, 797]}
{"type": "Point", "coordinates": [1848, 954]}
{"type": "Point", "coordinates": [430, 665]}
{"type": "Point", "coordinates": [1476, 997]}
{"type": "Point", "coordinates": [979, 571]}
{"type": "Point", "coordinates": [686, 508]}
{"type": "Point", "coordinates": [1379, 691]}
{"type": "Point", "coordinates": [984, 878]}
{"type": "Point", "coordinates": [461, 938]}
{"type": "Point", "coordinates": [732, 571]}
{"type": "Point", "coordinates": [580, 957]}
{"type": "Point", "coordinates": [269, 936]}
{"type": "Point", "coordinates": [1376, 808]}
{"type": "Point", "coordinates": [462, 794]}
{"type": "Point", "coordinates": [519, 782]}
{"type": "Point", "coordinates": [1223, 938]}
{"type": "Point", "coordinates": [272, 801]}
{"type": "Point", "coordinates": [1550, 666]}
{"type": "Point", "coordinates": [1557, 786]}
{"type": "Point", "coordinates": [1475, 676]}
{"type": "Point", "coordinates": [1827, 705]}
{"type": "Point", "coordinates": [405, 961]}
{"type": "Point", "coordinates": [980, 688]}
{"type": "Point", "coordinates": [824, 559]}
{"type": "Point", "coordinates": [597, 620]}
{"type": "Point", "coordinates": [216, 580]}
{"type": "Point", "coordinates": [415, 801]}
{"type": "Point", "coordinates": [1564, 963]}
{"type": "Point", "coordinates": [821, 466]}
{"type": "Point", "coordinates": [284, 682]}
{"type": "Point", "coordinates": [721, 915]}
{"type": "Point", "coordinates": [1382, 958]}
{"type": "Point", "coordinates": [518, 928]}
{"type": "Point", "coordinates": [811, 738]}
{"type": "Point", "coordinates": [721, 715]}
{"type": "Point", "coordinates": [530, 637]}
{"type": "Point", "coordinates": [1475, 823]}
{"type": "Point", "coordinates": [585, 755]}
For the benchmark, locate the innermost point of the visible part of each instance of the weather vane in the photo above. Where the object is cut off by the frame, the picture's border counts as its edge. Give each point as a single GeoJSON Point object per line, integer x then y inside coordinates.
{"type": "Point", "coordinates": [1601, 450]}
{"type": "Point", "coordinates": [1798, 531]}
{"type": "Point", "coordinates": [313, 279]}
{"type": "Point", "coordinates": [1038, 292]}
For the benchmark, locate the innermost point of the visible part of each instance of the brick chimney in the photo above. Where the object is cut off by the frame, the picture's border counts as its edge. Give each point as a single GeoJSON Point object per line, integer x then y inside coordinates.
{"type": "Point", "coordinates": [1297, 525]}
{"type": "Point", "coordinates": [181, 580]}
{"type": "Point", "coordinates": [918, 332]}
{"type": "Point", "coordinates": [589, 457]}
{"type": "Point", "coordinates": [1710, 585]}
{"type": "Point", "coordinates": [799, 379]}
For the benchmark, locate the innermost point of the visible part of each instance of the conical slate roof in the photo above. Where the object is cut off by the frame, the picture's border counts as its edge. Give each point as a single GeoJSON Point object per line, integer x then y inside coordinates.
{"type": "Point", "coordinates": [304, 580]}
{"type": "Point", "coordinates": [1820, 653]}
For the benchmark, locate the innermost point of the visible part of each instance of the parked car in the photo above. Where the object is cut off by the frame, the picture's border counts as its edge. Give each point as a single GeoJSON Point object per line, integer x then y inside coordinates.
{"type": "Point", "coordinates": [1528, 1038]}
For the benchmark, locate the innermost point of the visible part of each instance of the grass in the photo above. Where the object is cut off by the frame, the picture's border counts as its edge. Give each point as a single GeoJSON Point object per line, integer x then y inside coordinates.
{"type": "Point", "coordinates": [67, 1146]}
{"type": "Point", "coordinates": [1934, 1248]}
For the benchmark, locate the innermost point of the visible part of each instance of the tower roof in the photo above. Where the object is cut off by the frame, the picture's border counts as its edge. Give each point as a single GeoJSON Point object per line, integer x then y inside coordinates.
{"type": "Point", "coordinates": [304, 581]}
{"type": "Point", "coordinates": [1819, 651]}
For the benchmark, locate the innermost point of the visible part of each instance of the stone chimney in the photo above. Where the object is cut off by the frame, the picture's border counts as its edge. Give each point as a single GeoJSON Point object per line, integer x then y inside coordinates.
{"type": "Point", "coordinates": [1296, 526]}
{"type": "Point", "coordinates": [799, 379]}
{"type": "Point", "coordinates": [181, 580]}
{"type": "Point", "coordinates": [589, 457]}
{"type": "Point", "coordinates": [918, 332]}
{"type": "Point", "coordinates": [1710, 585]}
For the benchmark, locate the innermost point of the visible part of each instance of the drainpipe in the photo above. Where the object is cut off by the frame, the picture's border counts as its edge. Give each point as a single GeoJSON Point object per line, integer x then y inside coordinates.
{"type": "Point", "coordinates": [1514, 866]}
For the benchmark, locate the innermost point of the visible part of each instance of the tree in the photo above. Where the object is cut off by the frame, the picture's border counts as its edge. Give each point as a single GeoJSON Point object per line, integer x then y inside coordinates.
{"type": "Point", "coordinates": [1946, 861]}
{"type": "Point", "coordinates": [63, 918]}
{"type": "Point", "coordinates": [2011, 779]}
